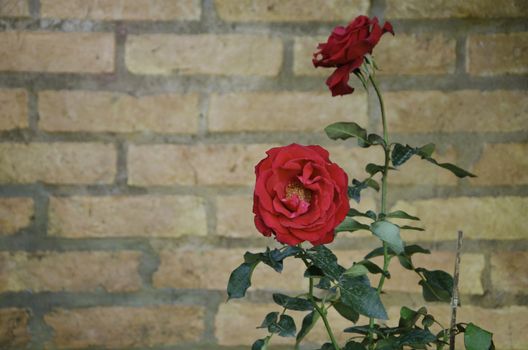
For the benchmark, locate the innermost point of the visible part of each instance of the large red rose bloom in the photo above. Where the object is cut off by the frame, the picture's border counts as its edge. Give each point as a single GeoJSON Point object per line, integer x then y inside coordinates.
{"type": "Point", "coordinates": [300, 195]}
{"type": "Point", "coordinates": [346, 49]}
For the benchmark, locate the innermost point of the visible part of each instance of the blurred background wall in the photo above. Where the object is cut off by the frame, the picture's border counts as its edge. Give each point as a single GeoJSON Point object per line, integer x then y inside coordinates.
{"type": "Point", "coordinates": [129, 131]}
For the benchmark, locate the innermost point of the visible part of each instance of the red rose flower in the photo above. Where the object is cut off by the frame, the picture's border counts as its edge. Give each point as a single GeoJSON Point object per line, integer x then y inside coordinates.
{"type": "Point", "coordinates": [300, 195]}
{"type": "Point", "coordinates": [346, 48]}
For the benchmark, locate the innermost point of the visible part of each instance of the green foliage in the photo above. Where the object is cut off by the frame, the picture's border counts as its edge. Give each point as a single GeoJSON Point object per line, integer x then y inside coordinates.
{"type": "Point", "coordinates": [291, 303]}
{"type": "Point", "coordinates": [285, 327]}
{"type": "Point", "coordinates": [351, 225]}
{"type": "Point", "coordinates": [308, 323]}
{"type": "Point", "coordinates": [389, 233]}
{"type": "Point", "coordinates": [368, 214]}
{"type": "Point", "coordinates": [400, 214]}
{"type": "Point", "coordinates": [354, 191]}
{"type": "Point", "coordinates": [346, 311]}
{"type": "Point", "coordinates": [260, 344]}
{"type": "Point", "coordinates": [240, 280]}
{"type": "Point", "coordinates": [361, 297]}
{"type": "Point", "coordinates": [324, 259]}
{"type": "Point", "coordinates": [352, 345]}
{"type": "Point", "coordinates": [476, 338]}
{"type": "Point", "coordinates": [346, 130]}
{"type": "Point", "coordinates": [437, 285]}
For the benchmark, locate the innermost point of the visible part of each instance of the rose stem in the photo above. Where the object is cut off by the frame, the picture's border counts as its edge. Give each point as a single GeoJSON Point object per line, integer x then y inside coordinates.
{"type": "Point", "coordinates": [322, 313]}
{"type": "Point", "coordinates": [384, 188]}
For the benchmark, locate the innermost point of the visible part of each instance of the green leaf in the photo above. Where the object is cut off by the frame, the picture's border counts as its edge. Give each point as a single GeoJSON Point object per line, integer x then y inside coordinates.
{"type": "Point", "coordinates": [413, 228]}
{"type": "Point", "coordinates": [415, 248]}
{"type": "Point", "coordinates": [240, 280]}
{"type": "Point", "coordinates": [308, 323]}
{"type": "Point", "coordinates": [373, 268]}
{"type": "Point", "coordinates": [426, 151]}
{"type": "Point", "coordinates": [438, 285]}
{"type": "Point", "coordinates": [361, 297]}
{"type": "Point", "coordinates": [375, 139]}
{"type": "Point", "coordinates": [389, 233]}
{"type": "Point", "coordinates": [313, 271]}
{"type": "Point", "coordinates": [368, 214]}
{"type": "Point", "coordinates": [400, 214]}
{"type": "Point", "coordinates": [428, 321]}
{"type": "Point", "coordinates": [459, 172]}
{"type": "Point", "coordinates": [387, 344]}
{"type": "Point", "coordinates": [345, 130]}
{"type": "Point", "coordinates": [285, 327]}
{"type": "Point", "coordinates": [324, 283]}
{"type": "Point", "coordinates": [352, 345]}
{"type": "Point", "coordinates": [372, 184]}
{"type": "Point", "coordinates": [476, 338]}
{"type": "Point", "coordinates": [350, 225]}
{"type": "Point", "coordinates": [291, 303]}
{"type": "Point", "coordinates": [400, 154]}
{"type": "Point", "coordinates": [356, 270]}
{"type": "Point", "coordinates": [260, 344]}
{"type": "Point", "coordinates": [375, 252]}
{"type": "Point", "coordinates": [327, 346]}
{"type": "Point", "coordinates": [346, 311]}
{"type": "Point", "coordinates": [269, 320]}
{"type": "Point", "coordinates": [354, 191]}
{"type": "Point", "coordinates": [417, 337]}
{"type": "Point", "coordinates": [324, 259]}
{"type": "Point", "coordinates": [373, 169]}
{"type": "Point", "coordinates": [408, 317]}
{"type": "Point", "coordinates": [406, 262]}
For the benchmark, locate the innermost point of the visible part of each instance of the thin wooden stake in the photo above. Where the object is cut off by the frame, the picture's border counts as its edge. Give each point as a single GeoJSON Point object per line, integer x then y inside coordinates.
{"type": "Point", "coordinates": [454, 299]}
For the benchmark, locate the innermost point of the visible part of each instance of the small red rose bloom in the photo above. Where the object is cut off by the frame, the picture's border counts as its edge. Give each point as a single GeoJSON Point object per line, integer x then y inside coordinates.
{"type": "Point", "coordinates": [300, 195]}
{"type": "Point", "coordinates": [346, 48]}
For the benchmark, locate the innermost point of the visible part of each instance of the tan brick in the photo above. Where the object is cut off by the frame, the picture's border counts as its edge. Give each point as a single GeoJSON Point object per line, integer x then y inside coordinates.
{"type": "Point", "coordinates": [508, 271]}
{"type": "Point", "coordinates": [290, 11]}
{"type": "Point", "coordinates": [234, 216]}
{"type": "Point", "coordinates": [13, 109]}
{"type": "Point", "coordinates": [119, 327]}
{"type": "Point", "coordinates": [57, 52]}
{"type": "Point", "coordinates": [114, 112]}
{"type": "Point", "coordinates": [211, 268]}
{"type": "Point", "coordinates": [155, 10]}
{"type": "Point", "coordinates": [14, 8]}
{"type": "Point", "coordinates": [15, 214]}
{"type": "Point", "coordinates": [204, 54]}
{"type": "Point", "coordinates": [457, 111]}
{"type": "Point", "coordinates": [401, 55]}
{"type": "Point", "coordinates": [478, 217]}
{"type": "Point", "coordinates": [502, 164]}
{"type": "Point", "coordinates": [14, 332]}
{"type": "Point", "coordinates": [126, 216]}
{"type": "Point", "coordinates": [187, 165]}
{"type": "Point", "coordinates": [294, 111]}
{"type": "Point", "coordinates": [497, 54]}
{"type": "Point", "coordinates": [70, 271]}
{"type": "Point", "coordinates": [455, 8]}
{"type": "Point", "coordinates": [57, 163]}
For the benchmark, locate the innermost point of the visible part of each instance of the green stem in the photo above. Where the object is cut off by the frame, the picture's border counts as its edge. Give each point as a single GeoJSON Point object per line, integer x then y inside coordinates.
{"type": "Point", "coordinates": [322, 313]}
{"type": "Point", "coordinates": [384, 189]}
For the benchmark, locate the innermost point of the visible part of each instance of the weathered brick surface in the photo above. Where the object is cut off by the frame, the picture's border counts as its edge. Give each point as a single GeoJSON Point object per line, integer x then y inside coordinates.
{"type": "Point", "coordinates": [14, 332]}
{"type": "Point", "coordinates": [57, 52]}
{"type": "Point", "coordinates": [502, 164]}
{"type": "Point", "coordinates": [57, 163]}
{"type": "Point", "coordinates": [401, 55]}
{"type": "Point", "coordinates": [455, 9]}
{"type": "Point", "coordinates": [157, 10]}
{"type": "Point", "coordinates": [210, 269]}
{"type": "Point", "coordinates": [120, 327]}
{"type": "Point", "coordinates": [107, 111]}
{"type": "Point", "coordinates": [291, 11]}
{"type": "Point", "coordinates": [234, 216]}
{"type": "Point", "coordinates": [14, 8]}
{"type": "Point", "coordinates": [13, 109]}
{"type": "Point", "coordinates": [479, 217]}
{"type": "Point", "coordinates": [188, 165]}
{"type": "Point", "coordinates": [300, 111]}
{"type": "Point", "coordinates": [15, 214]}
{"type": "Point", "coordinates": [457, 111]}
{"type": "Point", "coordinates": [204, 54]}
{"type": "Point", "coordinates": [69, 271]}
{"type": "Point", "coordinates": [508, 271]}
{"type": "Point", "coordinates": [126, 216]}
{"type": "Point", "coordinates": [497, 54]}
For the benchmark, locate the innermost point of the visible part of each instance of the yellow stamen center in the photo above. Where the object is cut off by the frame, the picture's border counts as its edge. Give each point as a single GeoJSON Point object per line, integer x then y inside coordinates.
{"type": "Point", "coordinates": [295, 188]}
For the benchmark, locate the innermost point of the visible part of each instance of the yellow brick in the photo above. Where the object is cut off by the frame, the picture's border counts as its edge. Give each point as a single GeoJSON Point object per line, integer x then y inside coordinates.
{"type": "Point", "coordinates": [155, 10]}
{"type": "Point", "coordinates": [204, 54]}
{"type": "Point", "coordinates": [497, 54]}
{"type": "Point", "coordinates": [14, 330]}
{"type": "Point", "coordinates": [127, 216]}
{"type": "Point", "coordinates": [211, 268]}
{"type": "Point", "coordinates": [457, 111]}
{"type": "Point", "coordinates": [71, 271]}
{"type": "Point", "coordinates": [120, 327]}
{"type": "Point", "coordinates": [508, 272]}
{"type": "Point", "coordinates": [292, 10]}
{"type": "Point", "coordinates": [455, 8]}
{"type": "Point", "coordinates": [13, 109]}
{"type": "Point", "coordinates": [107, 111]}
{"type": "Point", "coordinates": [234, 216]}
{"type": "Point", "coordinates": [56, 52]}
{"type": "Point", "coordinates": [15, 214]}
{"type": "Point", "coordinates": [57, 163]}
{"type": "Point", "coordinates": [502, 164]}
{"type": "Point", "coordinates": [479, 217]}
{"type": "Point", "coordinates": [14, 8]}
{"type": "Point", "coordinates": [220, 164]}
{"type": "Point", "coordinates": [294, 111]}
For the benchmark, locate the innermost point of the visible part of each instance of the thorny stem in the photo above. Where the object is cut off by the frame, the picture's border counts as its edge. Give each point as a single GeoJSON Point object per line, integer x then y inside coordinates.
{"type": "Point", "coordinates": [384, 189]}
{"type": "Point", "coordinates": [322, 313]}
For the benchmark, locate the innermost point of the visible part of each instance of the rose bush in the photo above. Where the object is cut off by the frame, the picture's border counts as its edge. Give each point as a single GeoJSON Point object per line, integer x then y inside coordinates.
{"type": "Point", "coordinates": [346, 48]}
{"type": "Point", "coordinates": [300, 195]}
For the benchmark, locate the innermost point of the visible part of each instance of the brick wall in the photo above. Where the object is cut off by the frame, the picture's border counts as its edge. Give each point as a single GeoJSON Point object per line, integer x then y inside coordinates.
{"type": "Point", "coordinates": [129, 130]}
